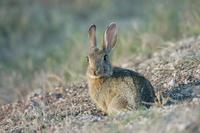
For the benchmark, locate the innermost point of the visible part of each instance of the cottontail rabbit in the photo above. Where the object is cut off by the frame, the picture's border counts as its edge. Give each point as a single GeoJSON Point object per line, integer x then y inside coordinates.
{"type": "Point", "coordinates": [114, 89]}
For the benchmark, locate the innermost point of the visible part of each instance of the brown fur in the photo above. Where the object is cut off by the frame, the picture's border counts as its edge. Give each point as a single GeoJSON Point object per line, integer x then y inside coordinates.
{"type": "Point", "coordinates": [114, 89]}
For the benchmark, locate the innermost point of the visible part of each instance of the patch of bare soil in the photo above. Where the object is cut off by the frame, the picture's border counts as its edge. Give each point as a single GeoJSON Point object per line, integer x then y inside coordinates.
{"type": "Point", "coordinates": [174, 71]}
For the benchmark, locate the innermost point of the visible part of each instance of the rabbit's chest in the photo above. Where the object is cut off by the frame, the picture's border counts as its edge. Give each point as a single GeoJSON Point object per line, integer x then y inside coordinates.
{"type": "Point", "coordinates": [101, 92]}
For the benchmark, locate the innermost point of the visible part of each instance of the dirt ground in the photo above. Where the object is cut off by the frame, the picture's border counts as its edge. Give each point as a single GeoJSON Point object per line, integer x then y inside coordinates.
{"type": "Point", "coordinates": [174, 72]}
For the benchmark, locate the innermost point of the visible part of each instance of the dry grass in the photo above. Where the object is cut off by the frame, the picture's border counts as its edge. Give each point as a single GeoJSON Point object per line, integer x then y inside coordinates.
{"type": "Point", "coordinates": [60, 107]}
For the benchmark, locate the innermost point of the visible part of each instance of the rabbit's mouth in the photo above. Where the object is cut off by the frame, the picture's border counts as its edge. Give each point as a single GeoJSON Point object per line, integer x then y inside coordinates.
{"type": "Point", "coordinates": [99, 75]}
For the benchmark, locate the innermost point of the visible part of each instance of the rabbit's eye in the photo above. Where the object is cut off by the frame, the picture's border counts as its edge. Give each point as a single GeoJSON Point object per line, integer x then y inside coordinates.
{"type": "Point", "coordinates": [105, 57]}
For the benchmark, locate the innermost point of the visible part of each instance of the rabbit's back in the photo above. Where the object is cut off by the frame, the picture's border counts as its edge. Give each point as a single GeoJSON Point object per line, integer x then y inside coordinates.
{"type": "Point", "coordinates": [134, 86]}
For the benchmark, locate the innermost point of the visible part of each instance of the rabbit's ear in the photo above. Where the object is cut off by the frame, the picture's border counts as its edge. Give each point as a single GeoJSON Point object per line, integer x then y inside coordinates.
{"type": "Point", "coordinates": [110, 37]}
{"type": "Point", "coordinates": [92, 36]}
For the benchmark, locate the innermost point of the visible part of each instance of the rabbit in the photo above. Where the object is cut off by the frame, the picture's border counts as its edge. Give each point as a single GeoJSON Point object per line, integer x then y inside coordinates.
{"type": "Point", "coordinates": [114, 89]}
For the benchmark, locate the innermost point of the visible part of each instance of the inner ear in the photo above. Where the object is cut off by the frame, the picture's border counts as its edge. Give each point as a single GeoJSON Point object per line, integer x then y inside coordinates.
{"type": "Point", "coordinates": [110, 37]}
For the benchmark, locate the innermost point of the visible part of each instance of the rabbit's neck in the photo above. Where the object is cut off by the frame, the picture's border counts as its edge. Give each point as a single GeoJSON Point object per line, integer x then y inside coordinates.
{"type": "Point", "coordinates": [95, 83]}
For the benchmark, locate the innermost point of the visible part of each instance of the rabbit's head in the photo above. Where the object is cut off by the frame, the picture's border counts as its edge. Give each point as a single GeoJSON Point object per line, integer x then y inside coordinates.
{"type": "Point", "coordinates": [99, 58]}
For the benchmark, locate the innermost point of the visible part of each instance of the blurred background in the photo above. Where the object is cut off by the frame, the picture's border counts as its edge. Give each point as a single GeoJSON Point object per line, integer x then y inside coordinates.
{"type": "Point", "coordinates": [39, 38]}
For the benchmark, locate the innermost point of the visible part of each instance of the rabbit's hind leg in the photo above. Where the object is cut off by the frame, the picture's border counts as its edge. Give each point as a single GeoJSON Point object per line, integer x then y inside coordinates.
{"type": "Point", "coordinates": [118, 105]}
